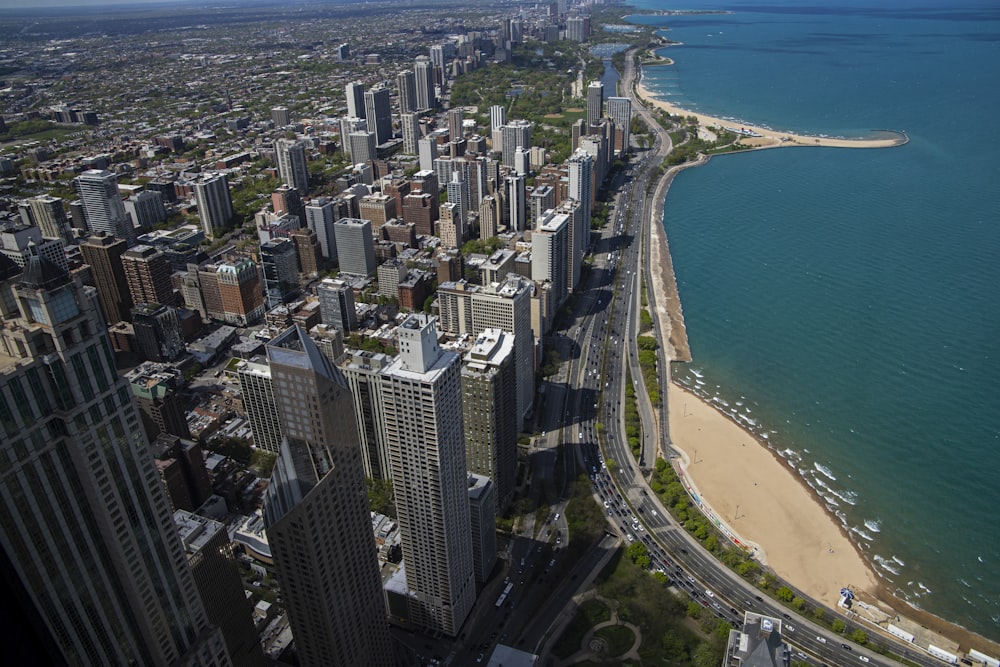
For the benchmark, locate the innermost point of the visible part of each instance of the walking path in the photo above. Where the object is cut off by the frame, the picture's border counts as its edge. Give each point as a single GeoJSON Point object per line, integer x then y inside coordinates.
{"type": "Point", "coordinates": [594, 649]}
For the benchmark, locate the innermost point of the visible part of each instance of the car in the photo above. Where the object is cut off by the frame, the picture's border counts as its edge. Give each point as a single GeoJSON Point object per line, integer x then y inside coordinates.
{"type": "Point", "coordinates": [479, 658]}
{"type": "Point", "coordinates": [557, 516]}
{"type": "Point", "coordinates": [789, 627]}
{"type": "Point", "coordinates": [821, 640]}
{"type": "Point", "coordinates": [863, 658]}
{"type": "Point", "coordinates": [709, 593]}
{"type": "Point", "coordinates": [846, 647]}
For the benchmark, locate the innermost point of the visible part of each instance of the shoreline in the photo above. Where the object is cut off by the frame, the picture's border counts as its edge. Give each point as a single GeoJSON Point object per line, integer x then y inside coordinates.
{"type": "Point", "coordinates": [770, 138]}
{"type": "Point", "coordinates": [852, 558]}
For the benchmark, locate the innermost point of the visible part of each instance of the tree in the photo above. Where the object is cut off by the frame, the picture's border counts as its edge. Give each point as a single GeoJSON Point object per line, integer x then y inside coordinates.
{"type": "Point", "coordinates": [859, 636]}
{"type": "Point", "coordinates": [785, 594]}
{"type": "Point", "coordinates": [799, 602]}
{"type": "Point", "coordinates": [838, 625]}
{"type": "Point", "coordinates": [380, 496]}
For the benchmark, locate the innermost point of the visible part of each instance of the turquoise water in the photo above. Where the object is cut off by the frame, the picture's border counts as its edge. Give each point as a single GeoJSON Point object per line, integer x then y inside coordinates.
{"type": "Point", "coordinates": [845, 304]}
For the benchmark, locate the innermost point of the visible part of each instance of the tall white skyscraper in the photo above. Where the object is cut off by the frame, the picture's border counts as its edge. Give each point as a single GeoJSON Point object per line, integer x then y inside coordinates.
{"type": "Point", "coordinates": [427, 148]}
{"type": "Point", "coordinates": [316, 513]}
{"type": "Point", "coordinates": [320, 216]}
{"type": "Point", "coordinates": [595, 103]}
{"type": "Point", "coordinates": [257, 391]}
{"type": "Point", "coordinates": [102, 205]}
{"type": "Point", "coordinates": [406, 82]}
{"type": "Point", "coordinates": [581, 189]}
{"type": "Point", "coordinates": [410, 125]}
{"type": "Point", "coordinates": [355, 93]}
{"type": "Point", "coordinates": [458, 193]}
{"type": "Point", "coordinates": [550, 252]}
{"type": "Point", "coordinates": [215, 206]}
{"type": "Point", "coordinates": [515, 133]}
{"type": "Point", "coordinates": [292, 166]}
{"type": "Point", "coordinates": [50, 216]}
{"type": "Point", "coordinates": [423, 70]}
{"type": "Point", "coordinates": [363, 146]}
{"type": "Point", "coordinates": [498, 118]}
{"type": "Point", "coordinates": [517, 204]}
{"type": "Point", "coordinates": [424, 433]}
{"type": "Point", "coordinates": [378, 113]}
{"type": "Point", "coordinates": [85, 523]}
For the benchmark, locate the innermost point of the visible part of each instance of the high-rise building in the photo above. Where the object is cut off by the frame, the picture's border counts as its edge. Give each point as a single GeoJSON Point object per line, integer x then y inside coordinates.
{"type": "Point", "coordinates": [229, 293]}
{"type": "Point", "coordinates": [102, 205]}
{"type": "Point", "coordinates": [517, 205]}
{"type": "Point", "coordinates": [355, 246]}
{"type": "Point", "coordinates": [50, 216]}
{"type": "Point", "coordinates": [316, 513]}
{"type": "Point", "coordinates": [410, 125]}
{"type": "Point", "coordinates": [281, 271]}
{"type": "Point", "coordinates": [483, 525]}
{"type": "Point", "coordinates": [581, 189]}
{"type": "Point", "coordinates": [455, 129]}
{"type": "Point", "coordinates": [620, 111]}
{"type": "Point", "coordinates": [320, 216]}
{"type": "Point", "coordinates": [489, 217]}
{"type": "Point", "coordinates": [155, 388]}
{"type": "Point", "coordinates": [489, 407]}
{"type": "Point", "coordinates": [468, 309]}
{"type": "Point", "coordinates": [378, 113]}
{"type": "Point", "coordinates": [292, 167]}
{"type": "Point", "coordinates": [210, 557]}
{"type": "Point", "coordinates": [349, 125]}
{"type": "Point", "coordinates": [147, 273]}
{"type": "Point", "coordinates": [362, 370]}
{"type": "Point", "coordinates": [498, 118]}
{"type": "Point", "coordinates": [157, 331]}
{"type": "Point", "coordinates": [423, 71]}
{"type": "Point", "coordinates": [355, 92]}
{"type": "Point", "coordinates": [550, 253]}
{"type": "Point", "coordinates": [85, 524]}
{"type": "Point", "coordinates": [578, 28]}
{"type": "Point", "coordinates": [258, 401]}
{"type": "Point", "coordinates": [363, 146]}
{"type": "Point", "coordinates": [215, 205]}
{"type": "Point", "coordinates": [336, 304]}
{"type": "Point", "coordinates": [424, 431]}
{"type": "Point", "coordinates": [406, 82]}
{"type": "Point", "coordinates": [281, 117]}
{"type": "Point", "coordinates": [428, 152]}
{"type": "Point", "coordinates": [542, 198]}
{"type": "Point", "coordinates": [595, 103]}
{"type": "Point", "coordinates": [307, 250]}
{"type": "Point", "coordinates": [458, 194]}
{"type": "Point", "coordinates": [515, 133]}
{"type": "Point", "coordinates": [145, 209]}
{"type": "Point", "coordinates": [104, 255]}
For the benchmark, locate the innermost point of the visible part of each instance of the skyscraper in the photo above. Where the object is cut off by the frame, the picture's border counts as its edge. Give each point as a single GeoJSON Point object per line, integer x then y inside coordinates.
{"type": "Point", "coordinates": [362, 370]}
{"type": "Point", "coordinates": [355, 246]}
{"type": "Point", "coordinates": [427, 148]}
{"type": "Point", "coordinates": [355, 92]}
{"type": "Point", "coordinates": [85, 524]}
{"type": "Point", "coordinates": [281, 117]}
{"type": "Point", "coordinates": [595, 103]}
{"type": "Point", "coordinates": [620, 110]}
{"type": "Point", "coordinates": [102, 205]}
{"type": "Point", "coordinates": [215, 206]}
{"type": "Point", "coordinates": [515, 133]}
{"type": "Point", "coordinates": [489, 407]}
{"type": "Point", "coordinates": [458, 194]}
{"type": "Point", "coordinates": [147, 273]}
{"type": "Point", "coordinates": [320, 216]}
{"type": "Point", "coordinates": [281, 270]}
{"type": "Point", "coordinates": [410, 125]}
{"type": "Point", "coordinates": [292, 165]}
{"type": "Point", "coordinates": [362, 145]}
{"type": "Point", "coordinates": [550, 252]}
{"type": "Point", "coordinates": [336, 304]}
{"type": "Point", "coordinates": [257, 391]}
{"type": "Point", "coordinates": [50, 216]}
{"type": "Point", "coordinates": [506, 306]}
{"type": "Point", "coordinates": [378, 113]}
{"type": "Point", "coordinates": [104, 255]}
{"type": "Point", "coordinates": [423, 71]}
{"type": "Point", "coordinates": [316, 513]}
{"type": "Point", "coordinates": [424, 432]}
{"type": "Point", "coordinates": [498, 118]}
{"type": "Point", "coordinates": [406, 81]}
{"type": "Point", "coordinates": [581, 189]}
{"type": "Point", "coordinates": [517, 205]}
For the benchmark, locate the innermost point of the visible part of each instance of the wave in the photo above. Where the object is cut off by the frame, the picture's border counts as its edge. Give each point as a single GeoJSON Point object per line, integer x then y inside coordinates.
{"type": "Point", "coordinates": [863, 534]}
{"type": "Point", "coordinates": [873, 525]}
{"type": "Point", "coordinates": [826, 471]}
{"type": "Point", "coordinates": [884, 563]}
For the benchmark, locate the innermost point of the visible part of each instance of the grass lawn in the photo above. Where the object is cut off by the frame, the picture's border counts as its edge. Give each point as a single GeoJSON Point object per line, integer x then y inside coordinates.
{"type": "Point", "coordinates": [587, 616]}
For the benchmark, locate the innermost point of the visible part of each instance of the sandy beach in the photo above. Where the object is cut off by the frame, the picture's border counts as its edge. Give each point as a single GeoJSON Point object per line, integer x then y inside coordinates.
{"type": "Point", "coordinates": [764, 502]}
{"type": "Point", "coordinates": [768, 138]}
